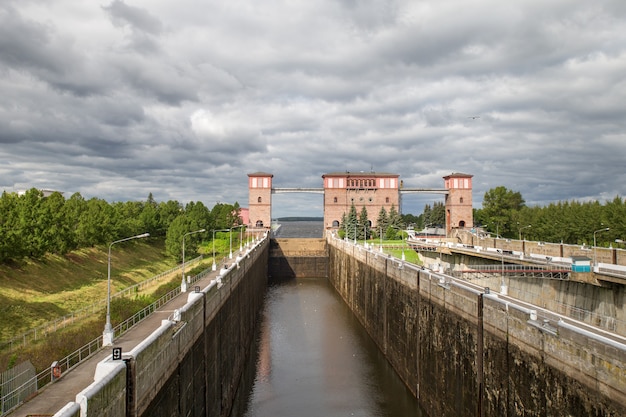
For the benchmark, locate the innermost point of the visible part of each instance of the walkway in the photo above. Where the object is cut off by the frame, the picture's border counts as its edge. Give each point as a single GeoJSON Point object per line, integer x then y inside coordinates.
{"type": "Point", "coordinates": [55, 396]}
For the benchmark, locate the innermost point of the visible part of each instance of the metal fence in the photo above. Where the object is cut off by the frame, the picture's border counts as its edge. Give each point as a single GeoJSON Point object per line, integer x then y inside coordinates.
{"type": "Point", "coordinates": [50, 327]}
{"type": "Point", "coordinates": [16, 395]}
{"type": "Point", "coordinates": [20, 377]}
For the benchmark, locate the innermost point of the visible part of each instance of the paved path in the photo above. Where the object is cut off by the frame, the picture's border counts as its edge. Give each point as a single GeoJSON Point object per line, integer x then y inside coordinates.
{"type": "Point", "coordinates": [55, 396]}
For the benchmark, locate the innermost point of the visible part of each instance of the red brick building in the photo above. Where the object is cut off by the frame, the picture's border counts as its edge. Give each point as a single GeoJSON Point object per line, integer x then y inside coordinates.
{"type": "Point", "coordinates": [372, 190]}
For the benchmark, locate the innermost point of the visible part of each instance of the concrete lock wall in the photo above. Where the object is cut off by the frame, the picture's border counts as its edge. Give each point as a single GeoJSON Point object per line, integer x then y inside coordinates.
{"type": "Point", "coordinates": [603, 306]}
{"type": "Point", "coordinates": [297, 258]}
{"type": "Point", "coordinates": [464, 353]}
{"type": "Point", "coordinates": [191, 364]}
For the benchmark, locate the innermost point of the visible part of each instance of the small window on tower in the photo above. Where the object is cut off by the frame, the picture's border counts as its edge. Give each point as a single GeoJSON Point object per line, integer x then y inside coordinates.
{"type": "Point", "coordinates": [461, 200]}
{"type": "Point", "coordinates": [335, 200]}
{"type": "Point", "coordinates": [259, 200]}
{"type": "Point", "coordinates": [387, 200]}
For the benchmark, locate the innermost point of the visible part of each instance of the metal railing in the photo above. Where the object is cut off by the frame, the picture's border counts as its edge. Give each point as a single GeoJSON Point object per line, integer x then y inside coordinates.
{"type": "Point", "coordinates": [13, 398]}
{"type": "Point", "coordinates": [50, 327]}
{"type": "Point", "coordinates": [511, 271]}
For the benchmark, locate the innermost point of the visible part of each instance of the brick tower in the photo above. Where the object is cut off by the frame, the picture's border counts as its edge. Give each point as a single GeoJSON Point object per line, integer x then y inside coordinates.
{"type": "Point", "coordinates": [260, 200]}
{"type": "Point", "coordinates": [459, 212]}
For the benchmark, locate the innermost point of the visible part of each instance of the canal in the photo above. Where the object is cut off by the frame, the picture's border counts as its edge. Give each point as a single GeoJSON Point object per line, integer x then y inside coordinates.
{"type": "Point", "coordinates": [313, 358]}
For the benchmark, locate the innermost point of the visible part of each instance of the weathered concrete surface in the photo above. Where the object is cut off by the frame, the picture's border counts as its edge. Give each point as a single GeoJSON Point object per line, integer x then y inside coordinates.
{"type": "Point", "coordinates": [297, 258]}
{"type": "Point", "coordinates": [209, 347]}
{"type": "Point", "coordinates": [603, 306]}
{"type": "Point", "coordinates": [465, 354]}
{"type": "Point", "coordinates": [192, 363]}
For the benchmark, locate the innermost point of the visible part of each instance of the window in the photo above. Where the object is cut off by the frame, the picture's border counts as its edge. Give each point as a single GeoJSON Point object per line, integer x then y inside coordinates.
{"type": "Point", "coordinates": [258, 200]}
{"type": "Point", "coordinates": [461, 200]}
{"type": "Point", "coordinates": [386, 199]}
{"type": "Point", "coordinates": [335, 200]}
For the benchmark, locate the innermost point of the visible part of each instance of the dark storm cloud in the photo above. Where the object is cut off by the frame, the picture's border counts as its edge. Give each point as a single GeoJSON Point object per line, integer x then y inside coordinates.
{"type": "Point", "coordinates": [183, 99]}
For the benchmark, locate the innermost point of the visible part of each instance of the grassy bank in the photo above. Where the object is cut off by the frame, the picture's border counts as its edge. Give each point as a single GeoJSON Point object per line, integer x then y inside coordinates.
{"type": "Point", "coordinates": [34, 293]}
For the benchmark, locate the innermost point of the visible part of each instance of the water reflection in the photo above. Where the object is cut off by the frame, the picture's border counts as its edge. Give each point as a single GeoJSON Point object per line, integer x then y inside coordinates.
{"type": "Point", "coordinates": [315, 359]}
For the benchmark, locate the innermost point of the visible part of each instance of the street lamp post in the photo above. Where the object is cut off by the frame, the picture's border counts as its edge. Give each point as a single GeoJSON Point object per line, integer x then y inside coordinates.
{"type": "Point", "coordinates": [214, 266]}
{"type": "Point", "coordinates": [606, 229]}
{"type": "Point", "coordinates": [503, 286]}
{"type": "Point", "coordinates": [365, 235]}
{"type": "Point", "coordinates": [231, 239]}
{"type": "Point", "coordinates": [108, 333]}
{"type": "Point", "coordinates": [403, 243]}
{"type": "Point", "coordinates": [401, 229]}
{"type": "Point", "coordinates": [522, 228]}
{"type": "Point", "coordinates": [183, 283]}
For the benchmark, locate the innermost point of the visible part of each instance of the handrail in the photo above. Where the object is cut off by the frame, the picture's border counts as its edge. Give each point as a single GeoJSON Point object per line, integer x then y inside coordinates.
{"type": "Point", "coordinates": [52, 326]}
{"type": "Point", "coordinates": [69, 362]}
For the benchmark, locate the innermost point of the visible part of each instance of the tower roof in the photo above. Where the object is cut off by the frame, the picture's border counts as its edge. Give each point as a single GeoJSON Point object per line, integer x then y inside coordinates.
{"type": "Point", "coordinates": [260, 174]}
{"type": "Point", "coordinates": [457, 175]}
{"type": "Point", "coordinates": [359, 174]}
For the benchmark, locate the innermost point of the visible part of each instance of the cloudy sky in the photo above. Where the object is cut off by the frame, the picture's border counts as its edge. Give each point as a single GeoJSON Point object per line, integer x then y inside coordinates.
{"type": "Point", "coordinates": [182, 99]}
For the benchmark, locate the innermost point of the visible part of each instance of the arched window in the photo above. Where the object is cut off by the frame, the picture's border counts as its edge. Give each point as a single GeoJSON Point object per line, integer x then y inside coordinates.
{"type": "Point", "coordinates": [259, 200]}
{"type": "Point", "coordinates": [335, 223]}
{"type": "Point", "coordinates": [461, 200]}
{"type": "Point", "coordinates": [259, 223]}
{"type": "Point", "coordinates": [386, 199]}
{"type": "Point", "coordinates": [335, 200]}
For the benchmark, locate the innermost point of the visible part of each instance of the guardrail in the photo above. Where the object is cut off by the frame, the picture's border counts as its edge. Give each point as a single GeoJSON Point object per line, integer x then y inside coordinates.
{"type": "Point", "coordinates": [12, 399]}
{"type": "Point", "coordinates": [47, 328]}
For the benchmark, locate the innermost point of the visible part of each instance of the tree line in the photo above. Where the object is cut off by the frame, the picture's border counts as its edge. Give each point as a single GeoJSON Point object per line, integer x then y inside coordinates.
{"type": "Point", "coordinates": [32, 225]}
{"type": "Point", "coordinates": [505, 213]}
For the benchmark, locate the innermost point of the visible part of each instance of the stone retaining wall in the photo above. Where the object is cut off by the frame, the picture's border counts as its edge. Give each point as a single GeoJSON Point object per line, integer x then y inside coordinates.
{"type": "Point", "coordinates": [466, 353]}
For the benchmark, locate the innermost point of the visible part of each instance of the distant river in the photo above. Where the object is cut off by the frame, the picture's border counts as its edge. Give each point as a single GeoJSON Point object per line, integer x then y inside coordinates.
{"type": "Point", "coordinates": [313, 358]}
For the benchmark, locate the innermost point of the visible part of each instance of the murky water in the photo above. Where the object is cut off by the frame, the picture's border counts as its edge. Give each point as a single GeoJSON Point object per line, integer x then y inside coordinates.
{"type": "Point", "coordinates": [313, 358]}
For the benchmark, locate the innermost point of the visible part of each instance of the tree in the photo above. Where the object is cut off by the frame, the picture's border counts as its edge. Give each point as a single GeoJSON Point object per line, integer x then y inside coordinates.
{"type": "Point", "coordinates": [57, 237]}
{"type": "Point", "coordinates": [168, 212]}
{"type": "Point", "coordinates": [180, 227]}
{"type": "Point", "coordinates": [96, 224]}
{"type": "Point", "coordinates": [150, 217]}
{"type": "Point", "coordinates": [499, 204]}
{"type": "Point", "coordinates": [394, 217]}
{"type": "Point", "coordinates": [364, 224]}
{"type": "Point", "coordinates": [350, 223]}
{"type": "Point", "coordinates": [11, 244]}
{"type": "Point", "coordinates": [225, 215]}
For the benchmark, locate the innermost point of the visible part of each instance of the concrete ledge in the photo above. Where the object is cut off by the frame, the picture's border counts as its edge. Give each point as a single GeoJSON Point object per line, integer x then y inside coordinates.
{"type": "Point", "coordinates": [70, 410]}
{"type": "Point", "coordinates": [106, 396]}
